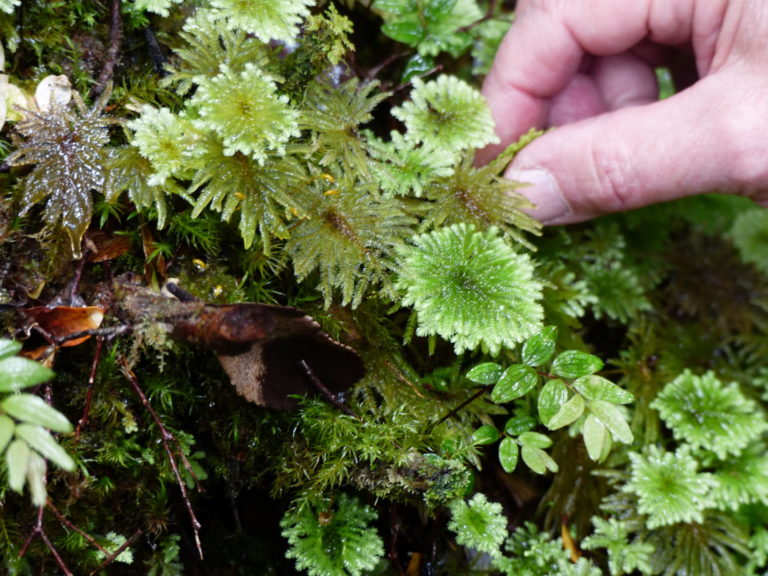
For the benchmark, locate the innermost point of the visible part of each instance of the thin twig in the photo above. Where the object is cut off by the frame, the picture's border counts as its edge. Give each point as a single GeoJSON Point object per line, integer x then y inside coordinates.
{"type": "Point", "coordinates": [165, 438]}
{"type": "Point", "coordinates": [111, 558]}
{"type": "Point", "coordinates": [115, 40]}
{"type": "Point", "coordinates": [60, 517]}
{"type": "Point", "coordinates": [38, 531]}
{"type": "Point", "coordinates": [453, 411]}
{"type": "Point", "coordinates": [89, 393]}
{"type": "Point", "coordinates": [332, 398]}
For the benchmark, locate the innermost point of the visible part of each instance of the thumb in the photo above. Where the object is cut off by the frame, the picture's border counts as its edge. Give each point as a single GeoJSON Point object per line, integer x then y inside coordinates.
{"type": "Point", "coordinates": [693, 142]}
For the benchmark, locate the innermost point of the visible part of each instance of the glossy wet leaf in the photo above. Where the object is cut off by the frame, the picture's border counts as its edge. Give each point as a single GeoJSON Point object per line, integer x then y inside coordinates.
{"type": "Point", "coordinates": [612, 418]}
{"type": "Point", "coordinates": [519, 424]}
{"type": "Point", "coordinates": [568, 413]}
{"type": "Point", "coordinates": [540, 347]}
{"type": "Point", "coordinates": [7, 427]}
{"type": "Point", "coordinates": [41, 440]}
{"type": "Point", "coordinates": [551, 398]}
{"type": "Point", "coordinates": [33, 409]}
{"type": "Point", "coordinates": [597, 439]}
{"type": "Point", "coordinates": [16, 459]}
{"type": "Point", "coordinates": [508, 454]}
{"type": "Point", "coordinates": [17, 373]}
{"type": "Point", "coordinates": [8, 348]}
{"type": "Point", "coordinates": [485, 373]}
{"type": "Point", "coordinates": [538, 460]}
{"type": "Point", "coordinates": [515, 382]}
{"type": "Point", "coordinates": [534, 440]}
{"type": "Point", "coordinates": [575, 363]}
{"type": "Point", "coordinates": [594, 387]}
{"type": "Point", "coordinates": [486, 434]}
{"type": "Point", "coordinates": [36, 479]}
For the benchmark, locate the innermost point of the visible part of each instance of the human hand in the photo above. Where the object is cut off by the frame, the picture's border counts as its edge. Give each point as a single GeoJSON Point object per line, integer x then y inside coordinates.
{"type": "Point", "coordinates": [588, 66]}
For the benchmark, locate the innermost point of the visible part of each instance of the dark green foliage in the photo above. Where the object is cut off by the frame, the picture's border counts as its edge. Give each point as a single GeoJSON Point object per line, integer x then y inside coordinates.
{"type": "Point", "coordinates": [597, 388]}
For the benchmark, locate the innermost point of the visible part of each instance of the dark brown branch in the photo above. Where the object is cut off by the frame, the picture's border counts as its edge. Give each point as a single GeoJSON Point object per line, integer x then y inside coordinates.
{"type": "Point", "coordinates": [455, 410]}
{"type": "Point", "coordinates": [165, 438]}
{"type": "Point", "coordinates": [38, 531]}
{"type": "Point", "coordinates": [115, 41]}
{"type": "Point", "coordinates": [323, 389]}
{"type": "Point", "coordinates": [89, 393]}
{"type": "Point", "coordinates": [111, 557]}
{"type": "Point", "coordinates": [60, 517]}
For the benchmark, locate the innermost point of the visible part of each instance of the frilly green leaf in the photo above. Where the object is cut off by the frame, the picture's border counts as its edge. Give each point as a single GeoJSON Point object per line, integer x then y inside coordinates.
{"type": "Point", "coordinates": [710, 415]}
{"type": "Point", "coordinates": [469, 287]}
{"type": "Point", "coordinates": [448, 114]}
{"type": "Point", "coordinates": [245, 111]}
{"type": "Point", "coordinates": [479, 524]}
{"type": "Point", "coordinates": [669, 487]}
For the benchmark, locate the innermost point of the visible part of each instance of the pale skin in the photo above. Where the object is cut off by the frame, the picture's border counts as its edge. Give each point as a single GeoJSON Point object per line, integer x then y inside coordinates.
{"type": "Point", "coordinates": [586, 67]}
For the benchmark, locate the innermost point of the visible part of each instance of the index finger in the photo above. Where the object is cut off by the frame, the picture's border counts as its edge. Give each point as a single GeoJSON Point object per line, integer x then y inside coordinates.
{"type": "Point", "coordinates": [544, 48]}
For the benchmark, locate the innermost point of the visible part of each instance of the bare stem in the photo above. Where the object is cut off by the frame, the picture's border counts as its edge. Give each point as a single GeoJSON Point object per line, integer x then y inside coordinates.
{"type": "Point", "coordinates": [166, 437]}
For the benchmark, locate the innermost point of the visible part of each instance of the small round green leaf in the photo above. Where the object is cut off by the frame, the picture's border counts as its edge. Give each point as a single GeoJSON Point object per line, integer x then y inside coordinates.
{"type": "Point", "coordinates": [551, 398]}
{"type": "Point", "coordinates": [534, 440]}
{"type": "Point", "coordinates": [486, 373]}
{"type": "Point", "coordinates": [538, 460]}
{"type": "Point", "coordinates": [568, 413]}
{"type": "Point", "coordinates": [515, 382]}
{"type": "Point", "coordinates": [486, 434]}
{"type": "Point", "coordinates": [33, 409]}
{"type": "Point", "coordinates": [519, 424]}
{"type": "Point", "coordinates": [17, 458]}
{"type": "Point", "coordinates": [575, 363]}
{"type": "Point", "coordinates": [7, 427]}
{"type": "Point", "coordinates": [595, 387]}
{"type": "Point", "coordinates": [597, 439]}
{"type": "Point", "coordinates": [613, 419]}
{"type": "Point", "coordinates": [41, 440]}
{"type": "Point", "coordinates": [9, 348]}
{"type": "Point", "coordinates": [437, 10]}
{"type": "Point", "coordinates": [409, 32]}
{"type": "Point", "coordinates": [17, 373]}
{"type": "Point", "coordinates": [508, 453]}
{"type": "Point", "coordinates": [539, 348]}
{"type": "Point", "coordinates": [36, 479]}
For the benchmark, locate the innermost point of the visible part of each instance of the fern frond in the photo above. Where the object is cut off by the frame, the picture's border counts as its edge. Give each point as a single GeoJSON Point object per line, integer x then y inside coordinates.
{"type": "Point", "coordinates": [333, 115]}
{"type": "Point", "coordinates": [349, 236]}
{"type": "Point", "coordinates": [262, 196]}
{"type": "Point", "coordinates": [481, 197]}
{"type": "Point", "coordinates": [129, 171]}
{"type": "Point", "coordinates": [208, 45]}
{"type": "Point", "coordinates": [67, 147]}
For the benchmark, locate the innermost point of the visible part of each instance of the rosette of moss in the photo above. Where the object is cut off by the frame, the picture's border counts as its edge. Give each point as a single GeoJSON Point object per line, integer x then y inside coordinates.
{"type": "Point", "coordinates": [447, 114]}
{"type": "Point", "coordinates": [708, 414]}
{"type": "Point", "coordinates": [479, 524]}
{"type": "Point", "coordinates": [470, 287]}
{"type": "Point", "coordinates": [265, 19]}
{"type": "Point", "coordinates": [167, 140]}
{"type": "Point", "coordinates": [246, 112]}
{"type": "Point", "coordinates": [336, 540]}
{"type": "Point", "coordinates": [669, 487]}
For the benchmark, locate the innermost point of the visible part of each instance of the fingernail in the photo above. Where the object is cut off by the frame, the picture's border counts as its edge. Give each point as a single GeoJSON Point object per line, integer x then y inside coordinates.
{"type": "Point", "coordinates": [540, 187]}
